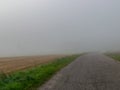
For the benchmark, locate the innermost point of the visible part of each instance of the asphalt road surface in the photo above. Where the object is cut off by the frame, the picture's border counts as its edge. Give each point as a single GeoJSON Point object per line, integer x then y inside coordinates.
{"type": "Point", "coordinates": [88, 72]}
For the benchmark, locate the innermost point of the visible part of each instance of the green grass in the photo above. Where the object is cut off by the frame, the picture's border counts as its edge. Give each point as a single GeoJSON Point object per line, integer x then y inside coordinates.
{"type": "Point", "coordinates": [114, 56]}
{"type": "Point", "coordinates": [33, 77]}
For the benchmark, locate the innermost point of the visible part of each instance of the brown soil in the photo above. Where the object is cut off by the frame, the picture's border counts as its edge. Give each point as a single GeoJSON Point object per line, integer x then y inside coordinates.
{"type": "Point", "coordinates": [12, 64]}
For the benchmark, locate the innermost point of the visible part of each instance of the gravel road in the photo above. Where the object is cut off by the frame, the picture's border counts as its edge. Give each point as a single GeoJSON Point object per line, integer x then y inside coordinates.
{"type": "Point", "coordinates": [88, 72]}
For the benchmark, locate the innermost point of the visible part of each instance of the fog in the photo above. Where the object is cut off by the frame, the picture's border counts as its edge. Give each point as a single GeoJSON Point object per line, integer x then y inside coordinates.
{"type": "Point", "coordinates": [39, 27]}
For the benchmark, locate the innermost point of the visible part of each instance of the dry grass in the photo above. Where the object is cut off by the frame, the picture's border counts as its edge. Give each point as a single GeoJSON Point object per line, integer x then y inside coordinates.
{"type": "Point", "coordinates": [30, 78]}
{"type": "Point", "coordinates": [12, 64]}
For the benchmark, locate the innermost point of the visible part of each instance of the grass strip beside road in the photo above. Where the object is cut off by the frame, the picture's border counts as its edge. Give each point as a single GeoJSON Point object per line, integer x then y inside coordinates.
{"type": "Point", "coordinates": [114, 56]}
{"type": "Point", "coordinates": [33, 77]}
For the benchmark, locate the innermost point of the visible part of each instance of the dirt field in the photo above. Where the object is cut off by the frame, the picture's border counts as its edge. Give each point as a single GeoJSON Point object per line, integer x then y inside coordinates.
{"type": "Point", "coordinates": [8, 65]}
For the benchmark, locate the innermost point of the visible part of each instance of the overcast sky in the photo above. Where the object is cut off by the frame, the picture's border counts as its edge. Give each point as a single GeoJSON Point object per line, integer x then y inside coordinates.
{"type": "Point", "coordinates": [37, 27]}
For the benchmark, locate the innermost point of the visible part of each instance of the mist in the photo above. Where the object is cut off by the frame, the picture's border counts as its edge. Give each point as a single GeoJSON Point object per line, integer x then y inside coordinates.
{"type": "Point", "coordinates": [41, 27]}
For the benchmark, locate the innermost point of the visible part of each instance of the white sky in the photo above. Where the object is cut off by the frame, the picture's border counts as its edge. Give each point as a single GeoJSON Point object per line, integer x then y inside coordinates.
{"type": "Point", "coordinates": [35, 27]}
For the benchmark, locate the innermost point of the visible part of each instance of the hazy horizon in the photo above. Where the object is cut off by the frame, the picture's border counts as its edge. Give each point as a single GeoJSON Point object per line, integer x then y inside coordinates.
{"type": "Point", "coordinates": [38, 27]}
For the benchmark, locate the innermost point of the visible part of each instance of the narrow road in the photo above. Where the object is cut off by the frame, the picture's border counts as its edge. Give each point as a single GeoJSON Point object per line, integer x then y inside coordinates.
{"type": "Point", "coordinates": [88, 72]}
